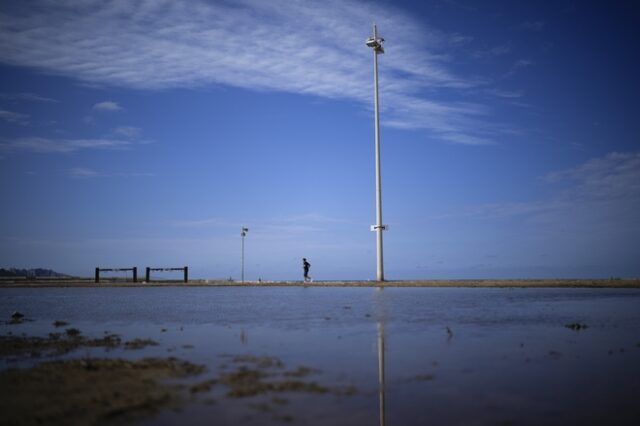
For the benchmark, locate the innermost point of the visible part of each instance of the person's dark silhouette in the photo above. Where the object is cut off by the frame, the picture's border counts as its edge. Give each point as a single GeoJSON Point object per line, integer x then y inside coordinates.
{"type": "Point", "coordinates": [306, 265]}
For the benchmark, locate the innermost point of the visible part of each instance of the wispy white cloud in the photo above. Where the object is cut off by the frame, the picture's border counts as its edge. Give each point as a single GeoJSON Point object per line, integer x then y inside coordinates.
{"type": "Point", "coordinates": [493, 52]}
{"type": "Point", "coordinates": [14, 117]}
{"type": "Point", "coordinates": [517, 65]}
{"type": "Point", "coordinates": [304, 47]}
{"type": "Point", "coordinates": [496, 210]}
{"type": "Point", "coordinates": [508, 94]}
{"type": "Point", "coordinates": [83, 172]}
{"type": "Point", "coordinates": [86, 173]}
{"type": "Point", "coordinates": [129, 132]}
{"type": "Point", "coordinates": [26, 97]}
{"type": "Point", "coordinates": [46, 145]}
{"type": "Point", "coordinates": [299, 227]}
{"type": "Point", "coordinates": [284, 224]}
{"type": "Point", "coordinates": [107, 106]}
{"type": "Point", "coordinates": [609, 184]}
{"type": "Point", "coordinates": [615, 176]}
{"type": "Point", "coordinates": [209, 222]}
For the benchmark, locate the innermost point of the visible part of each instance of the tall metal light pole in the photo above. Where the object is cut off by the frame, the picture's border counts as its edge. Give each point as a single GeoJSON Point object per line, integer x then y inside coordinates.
{"type": "Point", "coordinates": [243, 233]}
{"type": "Point", "coordinates": [375, 42]}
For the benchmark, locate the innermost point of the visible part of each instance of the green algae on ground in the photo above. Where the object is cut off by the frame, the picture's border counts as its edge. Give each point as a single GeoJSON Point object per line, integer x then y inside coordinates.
{"type": "Point", "coordinates": [203, 386]}
{"type": "Point", "coordinates": [301, 372]}
{"type": "Point", "coordinates": [423, 377]}
{"type": "Point", "coordinates": [139, 343]}
{"type": "Point", "coordinates": [91, 391]}
{"type": "Point", "coordinates": [576, 326]}
{"type": "Point", "coordinates": [246, 382]}
{"type": "Point", "coordinates": [265, 382]}
{"type": "Point", "coordinates": [54, 344]}
{"type": "Point", "coordinates": [72, 332]}
{"type": "Point", "coordinates": [259, 375]}
{"type": "Point", "coordinates": [59, 344]}
{"type": "Point", "coordinates": [263, 362]}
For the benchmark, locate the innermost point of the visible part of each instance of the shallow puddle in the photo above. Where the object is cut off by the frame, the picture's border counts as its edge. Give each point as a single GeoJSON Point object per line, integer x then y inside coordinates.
{"type": "Point", "coordinates": [350, 356]}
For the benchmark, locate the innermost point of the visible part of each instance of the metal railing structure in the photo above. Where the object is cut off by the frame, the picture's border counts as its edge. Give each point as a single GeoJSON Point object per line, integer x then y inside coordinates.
{"type": "Point", "coordinates": [133, 269]}
{"type": "Point", "coordinates": [185, 269]}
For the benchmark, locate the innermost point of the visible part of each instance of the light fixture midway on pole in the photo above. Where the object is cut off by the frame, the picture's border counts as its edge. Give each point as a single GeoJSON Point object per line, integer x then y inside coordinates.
{"type": "Point", "coordinates": [243, 233]}
{"type": "Point", "coordinates": [375, 42]}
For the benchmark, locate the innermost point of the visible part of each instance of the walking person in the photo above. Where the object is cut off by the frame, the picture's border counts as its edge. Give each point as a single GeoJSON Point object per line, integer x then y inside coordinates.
{"type": "Point", "coordinates": [306, 265]}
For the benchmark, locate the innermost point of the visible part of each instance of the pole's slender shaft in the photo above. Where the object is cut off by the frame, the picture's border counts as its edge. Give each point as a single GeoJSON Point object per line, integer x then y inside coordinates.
{"type": "Point", "coordinates": [380, 267]}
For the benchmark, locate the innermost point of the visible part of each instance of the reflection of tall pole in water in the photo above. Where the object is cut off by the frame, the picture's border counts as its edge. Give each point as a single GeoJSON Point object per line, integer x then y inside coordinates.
{"type": "Point", "coordinates": [381, 370]}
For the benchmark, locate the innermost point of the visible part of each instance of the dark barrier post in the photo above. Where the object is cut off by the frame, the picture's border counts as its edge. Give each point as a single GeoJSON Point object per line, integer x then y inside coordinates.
{"type": "Point", "coordinates": [147, 275]}
{"type": "Point", "coordinates": [97, 275]}
{"type": "Point", "coordinates": [186, 274]}
{"type": "Point", "coordinates": [135, 274]}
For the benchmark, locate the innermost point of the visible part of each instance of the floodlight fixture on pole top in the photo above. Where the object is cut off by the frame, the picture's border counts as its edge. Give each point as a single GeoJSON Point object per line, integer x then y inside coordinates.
{"type": "Point", "coordinates": [243, 233]}
{"type": "Point", "coordinates": [375, 43]}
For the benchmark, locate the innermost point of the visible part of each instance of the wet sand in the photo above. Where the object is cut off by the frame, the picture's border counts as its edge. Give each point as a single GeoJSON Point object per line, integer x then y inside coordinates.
{"type": "Point", "coordinates": [516, 283]}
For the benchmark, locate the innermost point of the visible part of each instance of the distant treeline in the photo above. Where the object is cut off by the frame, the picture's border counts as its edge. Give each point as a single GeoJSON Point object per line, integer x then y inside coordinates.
{"type": "Point", "coordinates": [37, 272]}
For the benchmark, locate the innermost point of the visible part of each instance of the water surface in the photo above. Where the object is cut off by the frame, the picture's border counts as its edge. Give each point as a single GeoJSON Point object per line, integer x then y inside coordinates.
{"type": "Point", "coordinates": [440, 356]}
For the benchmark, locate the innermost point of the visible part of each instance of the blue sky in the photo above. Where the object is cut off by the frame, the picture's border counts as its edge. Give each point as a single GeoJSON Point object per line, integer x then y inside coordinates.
{"type": "Point", "coordinates": [148, 133]}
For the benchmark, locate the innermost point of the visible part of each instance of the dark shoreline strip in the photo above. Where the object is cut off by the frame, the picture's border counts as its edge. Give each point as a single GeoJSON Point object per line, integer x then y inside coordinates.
{"type": "Point", "coordinates": [532, 283]}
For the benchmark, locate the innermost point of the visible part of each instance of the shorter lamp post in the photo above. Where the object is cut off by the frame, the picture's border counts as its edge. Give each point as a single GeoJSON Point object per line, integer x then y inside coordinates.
{"type": "Point", "coordinates": [243, 233]}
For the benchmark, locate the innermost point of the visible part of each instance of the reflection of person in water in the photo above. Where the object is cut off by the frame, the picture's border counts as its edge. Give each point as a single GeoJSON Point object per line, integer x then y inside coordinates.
{"type": "Point", "coordinates": [306, 265]}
